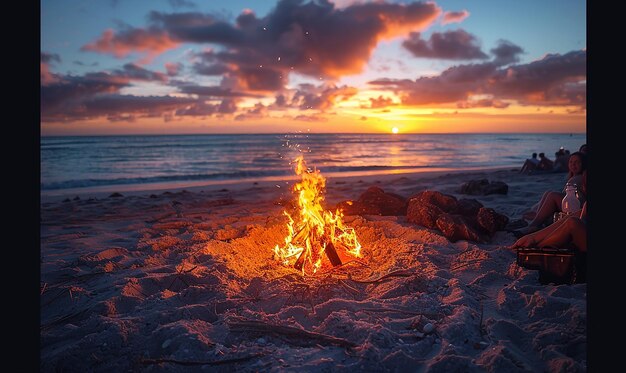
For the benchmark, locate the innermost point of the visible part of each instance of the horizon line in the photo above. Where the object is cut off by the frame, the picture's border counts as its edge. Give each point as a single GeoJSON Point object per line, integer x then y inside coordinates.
{"type": "Point", "coordinates": [316, 133]}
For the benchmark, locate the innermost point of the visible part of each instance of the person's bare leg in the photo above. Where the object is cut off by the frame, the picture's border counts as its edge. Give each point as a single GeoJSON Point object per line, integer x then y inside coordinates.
{"type": "Point", "coordinates": [550, 205]}
{"type": "Point", "coordinates": [532, 239]}
{"type": "Point", "coordinates": [573, 231]}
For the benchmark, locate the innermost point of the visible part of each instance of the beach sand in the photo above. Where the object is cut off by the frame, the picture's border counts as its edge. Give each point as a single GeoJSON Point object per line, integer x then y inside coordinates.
{"type": "Point", "coordinates": [185, 280]}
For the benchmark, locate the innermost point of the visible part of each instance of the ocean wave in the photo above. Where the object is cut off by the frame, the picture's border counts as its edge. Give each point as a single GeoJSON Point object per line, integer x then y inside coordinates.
{"type": "Point", "coordinates": [85, 183]}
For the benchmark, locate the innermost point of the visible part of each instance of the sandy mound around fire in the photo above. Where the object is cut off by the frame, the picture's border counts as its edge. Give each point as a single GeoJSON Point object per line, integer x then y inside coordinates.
{"type": "Point", "coordinates": [188, 281]}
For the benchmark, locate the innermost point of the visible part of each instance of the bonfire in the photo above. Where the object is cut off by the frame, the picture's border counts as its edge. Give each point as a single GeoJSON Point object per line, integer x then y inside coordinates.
{"type": "Point", "coordinates": [317, 238]}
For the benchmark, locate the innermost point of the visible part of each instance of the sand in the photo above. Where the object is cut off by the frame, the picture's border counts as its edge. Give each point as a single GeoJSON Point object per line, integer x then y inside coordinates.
{"type": "Point", "coordinates": [185, 280]}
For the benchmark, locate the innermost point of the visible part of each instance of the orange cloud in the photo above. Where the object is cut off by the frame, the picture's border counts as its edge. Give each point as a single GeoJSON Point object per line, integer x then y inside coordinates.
{"type": "Point", "coordinates": [120, 45]}
{"type": "Point", "coordinates": [554, 80]}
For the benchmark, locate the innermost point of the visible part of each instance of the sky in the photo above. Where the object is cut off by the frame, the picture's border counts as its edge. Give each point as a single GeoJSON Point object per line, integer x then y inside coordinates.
{"type": "Point", "coordinates": [189, 66]}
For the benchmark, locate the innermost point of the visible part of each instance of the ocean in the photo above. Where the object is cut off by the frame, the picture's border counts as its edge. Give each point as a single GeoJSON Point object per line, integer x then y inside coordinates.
{"type": "Point", "coordinates": [136, 162]}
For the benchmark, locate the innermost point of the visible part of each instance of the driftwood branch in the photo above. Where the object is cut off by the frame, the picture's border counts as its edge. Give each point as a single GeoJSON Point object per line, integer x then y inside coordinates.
{"type": "Point", "coordinates": [242, 325]}
{"type": "Point", "coordinates": [193, 363]}
{"type": "Point", "coordinates": [466, 264]}
{"type": "Point", "coordinates": [398, 273]}
{"type": "Point", "coordinates": [408, 312]}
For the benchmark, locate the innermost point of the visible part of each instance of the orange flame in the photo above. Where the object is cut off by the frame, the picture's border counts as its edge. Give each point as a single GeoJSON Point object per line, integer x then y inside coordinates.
{"type": "Point", "coordinates": [314, 229]}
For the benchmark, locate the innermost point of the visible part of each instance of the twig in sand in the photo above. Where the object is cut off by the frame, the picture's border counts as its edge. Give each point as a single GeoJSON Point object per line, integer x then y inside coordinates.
{"type": "Point", "coordinates": [352, 290]}
{"type": "Point", "coordinates": [413, 313]}
{"type": "Point", "coordinates": [243, 325]}
{"type": "Point", "coordinates": [466, 264]}
{"type": "Point", "coordinates": [193, 363]}
{"type": "Point", "coordinates": [43, 288]}
{"type": "Point", "coordinates": [398, 273]}
{"type": "Point", "coordinates": [335, 268]}
{"type": "Point", "coordinates": [482, 330]}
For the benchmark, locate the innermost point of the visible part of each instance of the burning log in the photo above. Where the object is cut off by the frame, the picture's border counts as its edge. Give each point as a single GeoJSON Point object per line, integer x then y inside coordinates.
{"type": "Point", "coordinates": [329, 250]}
{"type": "Point", "coordinates": [315, 234]}
{"type": "Point", "coordinates": [332, 255]}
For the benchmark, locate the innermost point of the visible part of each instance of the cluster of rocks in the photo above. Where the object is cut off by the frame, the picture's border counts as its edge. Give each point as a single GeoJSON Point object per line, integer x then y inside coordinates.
{"type": "Point", "coordinates": [456, 219]}
{"type": "Point", "coordinates": [484, 187]}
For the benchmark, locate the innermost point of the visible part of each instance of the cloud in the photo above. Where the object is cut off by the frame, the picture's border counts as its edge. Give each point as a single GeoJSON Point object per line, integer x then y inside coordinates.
{"type": "Point", "coordinates": [454, 17]}
{"type": "Point", "coordinates": [321, 98]}
{"type": "Point", "coordinates": [173, 69]}
{"type": "Point", "coordinates": [381, 102]}
{"type": "Point", "coordinates": [310, 118]}
{"type": "Point", "coordinates": [482, 103]}
{"type": "Point", "coordinates": [50, 57]}
{"type": "Point", "coordinates": [450, 45]}
{"type": "Point", "coordinates": [135, 72]}
{"type": "Point", "coordinates": [506, 52]}
{"type": "Point", "coordinates": [213, 91]}
{"type": "Point", "coordinates": [69, 97]}
{"type": "Point", "coordinates": [295, 36]}
{"type": "Point", "coordinates": [45, 76]}
{"type": "Point", "coordinates": [129, 104]}
{"type": "Point", "coordinates": [257, 112]}
{"type": "Point", "coordinates": [554, 80]}
{"type": "Point", "coordinates": [66, 93]}
{"type": "Point", "coordinates": [132, 40]}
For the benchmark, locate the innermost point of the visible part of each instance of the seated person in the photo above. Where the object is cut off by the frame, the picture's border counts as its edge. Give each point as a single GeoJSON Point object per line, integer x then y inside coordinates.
{"type": "Point", "coordinates": [567, 233]}
{"type": "Point", "coordinates": [545, 164]}
{"type": "Point", "coordinates": [530, 164]}
{"type": "Point", "coordinates": [551, 201]}
{"type": "Point", "coordinates": [561, 162]}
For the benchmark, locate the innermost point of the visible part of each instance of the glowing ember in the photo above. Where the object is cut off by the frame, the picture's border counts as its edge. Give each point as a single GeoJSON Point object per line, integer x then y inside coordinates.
{"type": "Point", "coordinates": [315, 234]}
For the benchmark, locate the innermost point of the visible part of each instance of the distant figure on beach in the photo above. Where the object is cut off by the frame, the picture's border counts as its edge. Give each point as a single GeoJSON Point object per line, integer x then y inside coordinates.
{"type": "Point", "coordinates": [530, 164]}
{"type": "Point", "coordinates": [551, 201]}
{"type": "Point", "coordinates": [545, 163]}
{"type": "Point", "coordinates": [561, 161]}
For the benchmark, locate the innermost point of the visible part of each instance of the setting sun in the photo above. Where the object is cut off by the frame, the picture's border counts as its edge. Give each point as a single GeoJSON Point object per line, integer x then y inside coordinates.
{"type": "Point", "coordinates": [394, 130]}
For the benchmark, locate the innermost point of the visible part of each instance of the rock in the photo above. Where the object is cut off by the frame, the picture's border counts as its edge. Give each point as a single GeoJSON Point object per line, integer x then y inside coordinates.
{"type": "Point", "coordinates": [467, 207]}
{"type": "Point", "coordinates": [77, 198]}
{"type": "Point", "coordinates": [483, 187]}
{"type": "Point", "coordinates": [457, 227]}
{"type": "Point", "coordinates": [424, 214]}
{"type": "Point", "coordinates": [497, 187]}
{"type": "Point", "coordinates": [261, 341]}
{"type": "Point", "coordinates": [490, 220]}
{"type": "Point", "coordinates": [166, 343]}
{"type": "Point", "coordinates": [356, 208]}
{"type": "Point", "coordinates": [153, 196]}
{"type": "Point", "coordinates": [66, 200]}
{"type": "Point", "coordinates": [445, 202]}
{"type": "Point", "coordinates": [116, 195]}
{"type": "Point", "coordinates": [387, 203]}
{"type": "Point", "coordinates": [428, 328]}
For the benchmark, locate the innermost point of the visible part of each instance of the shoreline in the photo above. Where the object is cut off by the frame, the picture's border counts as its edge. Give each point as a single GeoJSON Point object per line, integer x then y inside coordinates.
{"type": "Point", "coordinates": [54, 195]}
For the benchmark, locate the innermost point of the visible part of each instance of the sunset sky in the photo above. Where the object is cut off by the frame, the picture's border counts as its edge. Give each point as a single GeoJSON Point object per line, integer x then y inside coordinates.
{"type": "Point", "coordinates": [183, 66]}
